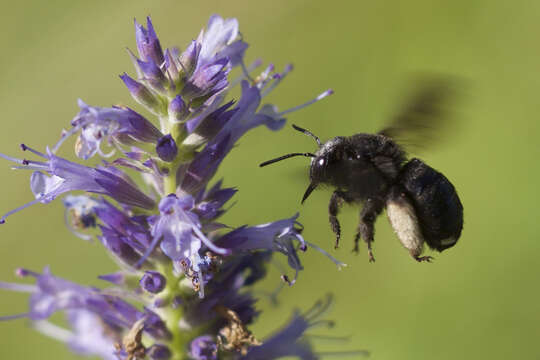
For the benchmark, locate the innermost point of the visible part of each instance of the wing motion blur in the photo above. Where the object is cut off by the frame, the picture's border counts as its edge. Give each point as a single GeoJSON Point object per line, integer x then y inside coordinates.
{"type": "Point", "coordinates": [423, 118]}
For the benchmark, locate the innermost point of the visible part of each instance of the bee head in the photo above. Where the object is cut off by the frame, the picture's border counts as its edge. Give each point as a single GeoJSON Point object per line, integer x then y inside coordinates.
{"type": "Point", "coordinates": [327, 160]}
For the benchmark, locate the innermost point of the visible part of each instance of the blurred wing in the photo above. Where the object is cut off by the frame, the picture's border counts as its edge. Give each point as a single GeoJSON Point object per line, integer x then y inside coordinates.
{"type": "Point", "coordinates": [422, 119]}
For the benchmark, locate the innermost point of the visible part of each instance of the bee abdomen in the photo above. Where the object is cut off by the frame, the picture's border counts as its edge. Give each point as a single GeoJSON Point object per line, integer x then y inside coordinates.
{"type": "Point", "coordinates": [436, 202]}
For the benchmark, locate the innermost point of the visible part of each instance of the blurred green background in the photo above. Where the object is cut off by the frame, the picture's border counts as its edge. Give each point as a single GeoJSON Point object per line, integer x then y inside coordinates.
{"type": "Point", "coordinates": [479, 299]}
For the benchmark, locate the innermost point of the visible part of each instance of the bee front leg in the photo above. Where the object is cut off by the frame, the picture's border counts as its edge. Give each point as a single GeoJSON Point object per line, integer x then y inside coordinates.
{"type": "Point", "coordinates": [337, 199]}
{"type": "Point", "coordinates": [366, 230]}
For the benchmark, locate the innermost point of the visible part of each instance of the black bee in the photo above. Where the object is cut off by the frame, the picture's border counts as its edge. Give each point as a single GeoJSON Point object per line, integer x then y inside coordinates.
{"type": "Point", "coordinates": [372, 169]}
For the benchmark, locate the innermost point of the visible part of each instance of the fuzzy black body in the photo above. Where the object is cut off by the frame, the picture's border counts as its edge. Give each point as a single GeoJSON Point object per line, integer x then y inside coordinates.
{"type": "Point", "coordinates": [371, 169]}
{"type": "Point", "coordinates": [436, 203]}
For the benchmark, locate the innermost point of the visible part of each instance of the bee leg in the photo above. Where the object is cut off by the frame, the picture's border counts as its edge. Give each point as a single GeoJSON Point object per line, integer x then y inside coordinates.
{"type": "Point", "coordinates": [337, 199]}
{"type": "Point", "coordinates": [422, 258]}
{"type": "Point", "coordinates": [372, 208]}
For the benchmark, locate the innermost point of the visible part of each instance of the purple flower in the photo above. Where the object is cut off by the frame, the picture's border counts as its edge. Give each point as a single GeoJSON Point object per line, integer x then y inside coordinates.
{"type": "Point", "coordinates": [205, 165]}
{"type": "Point", "coordinates": [177, 108]}
{"type": "Point", "coordinates": [158, 352]}
{"type": "Point", "coordinates": [207, 80]}
{"type": "Point", "coordinates": [179, 229]}
{"type": "Point", "coordinates": [279, 236]}
{"type": "Point", "coordinates": [131, 228]}
{"type": "Point", "coordinates": [232, 126]}
{"type": "Point", "coordinates": [148, 43]}
{"type": "Point", "coordinates": [203, 348]}
{"type": "Point", "coordinates": [291, 340]}
{"type": "Point", "coordinates": [153, 282]}
{"type": "Point", "coordinates": [219, 34]}
{"type": "Point", "coordinates": [166, 148]}
{"type": "Point", "coordinates": [88, 334]}
{"type": "Point", "coordinates": [210, 203]}
{"type": "Point", "coordinates": [52, 294]}
{"type": "Point", "coordinates": [153, 75]}
{"type": "Point", "coordinates": [64, 176]}
{"type": "Point", "coordinates": [121, 247]}
{"type": "Point", "coordinates": [111, 124]}
{"type": "Point", "coordinates": [80, 214]}
{"type": "Point", "coordinates": [227, 288]}
{"type": "Point", "coordinates": [188, 60]}
{"type": "Point", "coordinates": [117, 278]}
{"type": "Point", "coordinates": [207, 124]}
{"type": "Point", "coordinates": [143, 95]}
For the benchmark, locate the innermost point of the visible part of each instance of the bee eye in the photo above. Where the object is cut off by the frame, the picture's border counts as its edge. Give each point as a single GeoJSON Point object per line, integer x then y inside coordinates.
{"type": "Point", "coordinates": [321, 162]}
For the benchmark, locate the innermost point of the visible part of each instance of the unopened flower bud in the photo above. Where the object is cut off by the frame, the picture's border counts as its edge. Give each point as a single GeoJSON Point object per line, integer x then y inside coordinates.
{"type": "Point", "coordinates": [204, 348]}
{"type": "Point", "coordinates": [153, 282]}
{"type": "Point", "coordinates": [177, 109]}
{"type": "Point", "coordinates": [166, 148]}
{"type": "Point", "coordinates": [153, 75]}
{"type": "Point", "coordinates": [188, 59]}
{"type": "Point", "coordinates": [148, 42]}
{"type": "Point", "coordinates": [142, 95]}
{"type": "Point", "coordinates": [158, 352]}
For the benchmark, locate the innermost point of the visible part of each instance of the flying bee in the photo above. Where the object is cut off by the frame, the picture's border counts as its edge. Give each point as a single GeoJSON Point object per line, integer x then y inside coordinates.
{"type": "Point", "coordinates": [422, 205]}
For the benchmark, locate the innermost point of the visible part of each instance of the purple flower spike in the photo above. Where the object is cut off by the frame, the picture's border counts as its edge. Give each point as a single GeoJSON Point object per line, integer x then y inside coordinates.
{"type": "Point", "coordinates": [166, 148]}
{"type": "Point", "coordinates": [204, 348]}
{"type": "Point", "coordinates": [162, 229]}
{"type": "Point", "coordinates": [148, 43]}
{"type": "Point", "coordinates": [153, 282]}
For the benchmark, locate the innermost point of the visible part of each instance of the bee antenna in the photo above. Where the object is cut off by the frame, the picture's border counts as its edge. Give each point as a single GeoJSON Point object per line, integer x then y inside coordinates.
{"type": "Point", "coordinates": [307, 132]}
{"type": "Point", "coordinates": [285, 157]}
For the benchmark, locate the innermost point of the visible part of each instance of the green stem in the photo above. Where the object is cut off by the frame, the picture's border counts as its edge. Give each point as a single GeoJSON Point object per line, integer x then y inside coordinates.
{"type": "Point", "coordinates": [179, 341]}
{"type": "Point", "coordinates": [172, 316]}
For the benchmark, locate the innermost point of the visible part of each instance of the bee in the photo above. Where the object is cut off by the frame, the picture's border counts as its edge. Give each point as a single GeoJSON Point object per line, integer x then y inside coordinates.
{"type": "Point", "coordinates": [422, 205]}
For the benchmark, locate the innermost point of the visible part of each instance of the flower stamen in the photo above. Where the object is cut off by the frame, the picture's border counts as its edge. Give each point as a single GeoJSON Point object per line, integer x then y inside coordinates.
{"type": "Point", "coordinates": [313, 101]}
